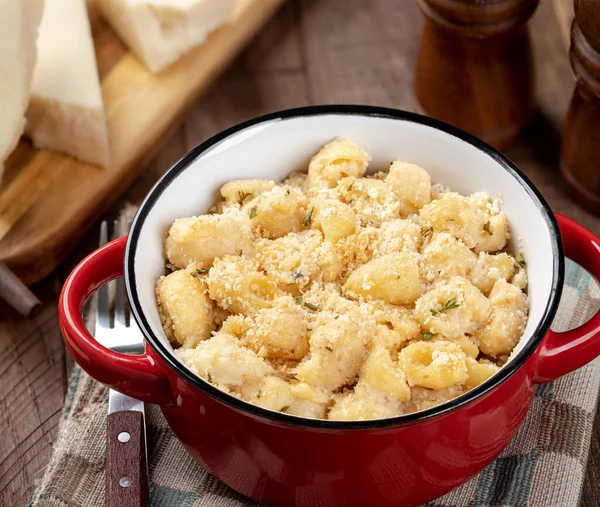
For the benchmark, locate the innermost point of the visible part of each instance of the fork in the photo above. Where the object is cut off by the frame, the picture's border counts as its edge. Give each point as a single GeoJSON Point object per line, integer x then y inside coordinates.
{"type": "Point", "coordinates": [126, 465]}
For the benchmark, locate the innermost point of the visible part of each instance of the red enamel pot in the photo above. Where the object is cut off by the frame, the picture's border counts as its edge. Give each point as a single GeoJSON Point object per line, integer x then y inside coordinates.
{"type": "Point", "coordinates": [284, 460]}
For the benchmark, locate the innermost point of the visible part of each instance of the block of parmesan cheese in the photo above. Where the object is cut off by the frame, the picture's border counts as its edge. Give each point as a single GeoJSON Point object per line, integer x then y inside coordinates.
{"type": "Point", "coordinates": [66, 112]}
{"type": "Point", "coordinates": [159, 32]}
{"type": "Point", "coordinates": [19, 21]}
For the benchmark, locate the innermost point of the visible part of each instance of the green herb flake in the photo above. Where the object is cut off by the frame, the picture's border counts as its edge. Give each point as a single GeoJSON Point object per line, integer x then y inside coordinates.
{"type": "Point", "coordinates": [486, 228]}
{"type": "Point", "coordinates": [350, 202]}
{"type": "Point", "coordinates": [258, 394]}
{"type": "Point", "coordinates": [240, 252]}
{"type": "Point", "coordinates": [520, 260]}
{"type": "Point", "coordinates": [252, 212]}
{"type": "Point", "coordinates": [285, 409]}
{"type": "Point", "coordinates": [242, 196]}
{"type": "Point", "coordinates": [311, 306]}
{"type": "Point", "coordinates": [350, 186]}
{"type": "Point", "coordinates": [451, 304]}
{"type": "Point", "coordinates": [209, 377]}
{"type": "Point", "coordinates": [200, 272]}
{"type": "Point", "coordinates": [298, 300]}
{"type": "Point", "coordinates": [297, 274]}
{"type": "Point", "coordinates": [329, 348]}
{"type": "Point", "coordinates": [428, 336]}
{"type": "Point", "coordinates": [308, 219]}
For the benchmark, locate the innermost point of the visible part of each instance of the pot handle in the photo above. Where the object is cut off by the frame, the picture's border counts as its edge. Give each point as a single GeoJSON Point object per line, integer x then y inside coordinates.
{"type": "Point", "coordinates": [562, 353]}
{"type": "Point", "coordinates": [136, 376]}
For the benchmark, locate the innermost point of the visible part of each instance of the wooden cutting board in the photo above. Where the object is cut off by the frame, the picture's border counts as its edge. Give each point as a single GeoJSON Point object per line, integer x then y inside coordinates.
{"type": "Point", "coordinates": [48, 200]}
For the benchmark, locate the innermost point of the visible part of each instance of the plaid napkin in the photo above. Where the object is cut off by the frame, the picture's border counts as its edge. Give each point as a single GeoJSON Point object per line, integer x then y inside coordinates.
{"type": "Point", "coordinates": [543, 466]}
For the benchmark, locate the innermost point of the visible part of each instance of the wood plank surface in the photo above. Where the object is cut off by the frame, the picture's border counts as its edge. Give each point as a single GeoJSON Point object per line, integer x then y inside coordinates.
{"type": "Point", "coordinates": [47, 202]}
{"type": "Point", "coordinates": [314, 51]}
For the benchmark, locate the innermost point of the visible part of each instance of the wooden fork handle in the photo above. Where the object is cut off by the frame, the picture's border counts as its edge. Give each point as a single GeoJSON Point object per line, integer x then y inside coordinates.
{"type": "Point", "coordinates": [126, 468]}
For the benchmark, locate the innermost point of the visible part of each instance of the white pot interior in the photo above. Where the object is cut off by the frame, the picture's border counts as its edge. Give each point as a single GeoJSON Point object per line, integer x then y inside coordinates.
{"type": "Point", "coordinates": [274, 148]}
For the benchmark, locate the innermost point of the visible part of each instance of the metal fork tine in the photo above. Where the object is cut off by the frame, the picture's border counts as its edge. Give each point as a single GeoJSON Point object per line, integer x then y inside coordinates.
{"type": "Point", "coordinates": [120, 314]}
{"type": "Point", "coordinates": [125, 337]}
{"type": "Point", "coordinates": [102, 309]}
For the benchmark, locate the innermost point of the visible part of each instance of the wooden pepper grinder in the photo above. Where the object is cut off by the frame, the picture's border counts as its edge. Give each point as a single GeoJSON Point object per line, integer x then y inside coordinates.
{"type": "Point", "coordinates": [474, 67]}
{"type": "Point", "coordinates": [580, 150]}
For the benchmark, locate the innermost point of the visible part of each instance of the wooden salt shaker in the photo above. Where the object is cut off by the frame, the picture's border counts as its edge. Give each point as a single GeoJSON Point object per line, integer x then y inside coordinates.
{"type": "Point", "coordinates": [580, 150]}
{"type": "Point", "coordinates": [474, 67]}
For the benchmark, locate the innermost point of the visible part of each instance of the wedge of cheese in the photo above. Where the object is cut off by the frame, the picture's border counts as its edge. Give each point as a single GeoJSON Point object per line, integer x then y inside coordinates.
{"type": "Point", "coordinates": [159, 32]}
{"type": "Point", "coordinates": [66, 112]}
{"type": "Point", "coordinates": [19, 21]}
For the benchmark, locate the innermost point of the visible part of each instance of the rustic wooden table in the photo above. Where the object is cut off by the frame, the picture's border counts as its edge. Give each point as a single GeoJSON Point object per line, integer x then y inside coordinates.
{"type": "Point", "coordinates": [314, 51]}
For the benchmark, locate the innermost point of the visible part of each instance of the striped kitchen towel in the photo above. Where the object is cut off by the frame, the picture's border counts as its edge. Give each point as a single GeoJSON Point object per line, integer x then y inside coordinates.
{"type": "Point", "coordinates": [544, 466]}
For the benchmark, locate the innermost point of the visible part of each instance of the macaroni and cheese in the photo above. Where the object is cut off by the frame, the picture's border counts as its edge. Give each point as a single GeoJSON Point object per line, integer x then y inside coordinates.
{"type": "Point", "coordinates": [343, 296]}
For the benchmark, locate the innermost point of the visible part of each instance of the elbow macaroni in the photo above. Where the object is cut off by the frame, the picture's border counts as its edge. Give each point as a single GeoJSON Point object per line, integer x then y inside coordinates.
{"type": "Point", "coordinates": [343, 296]}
